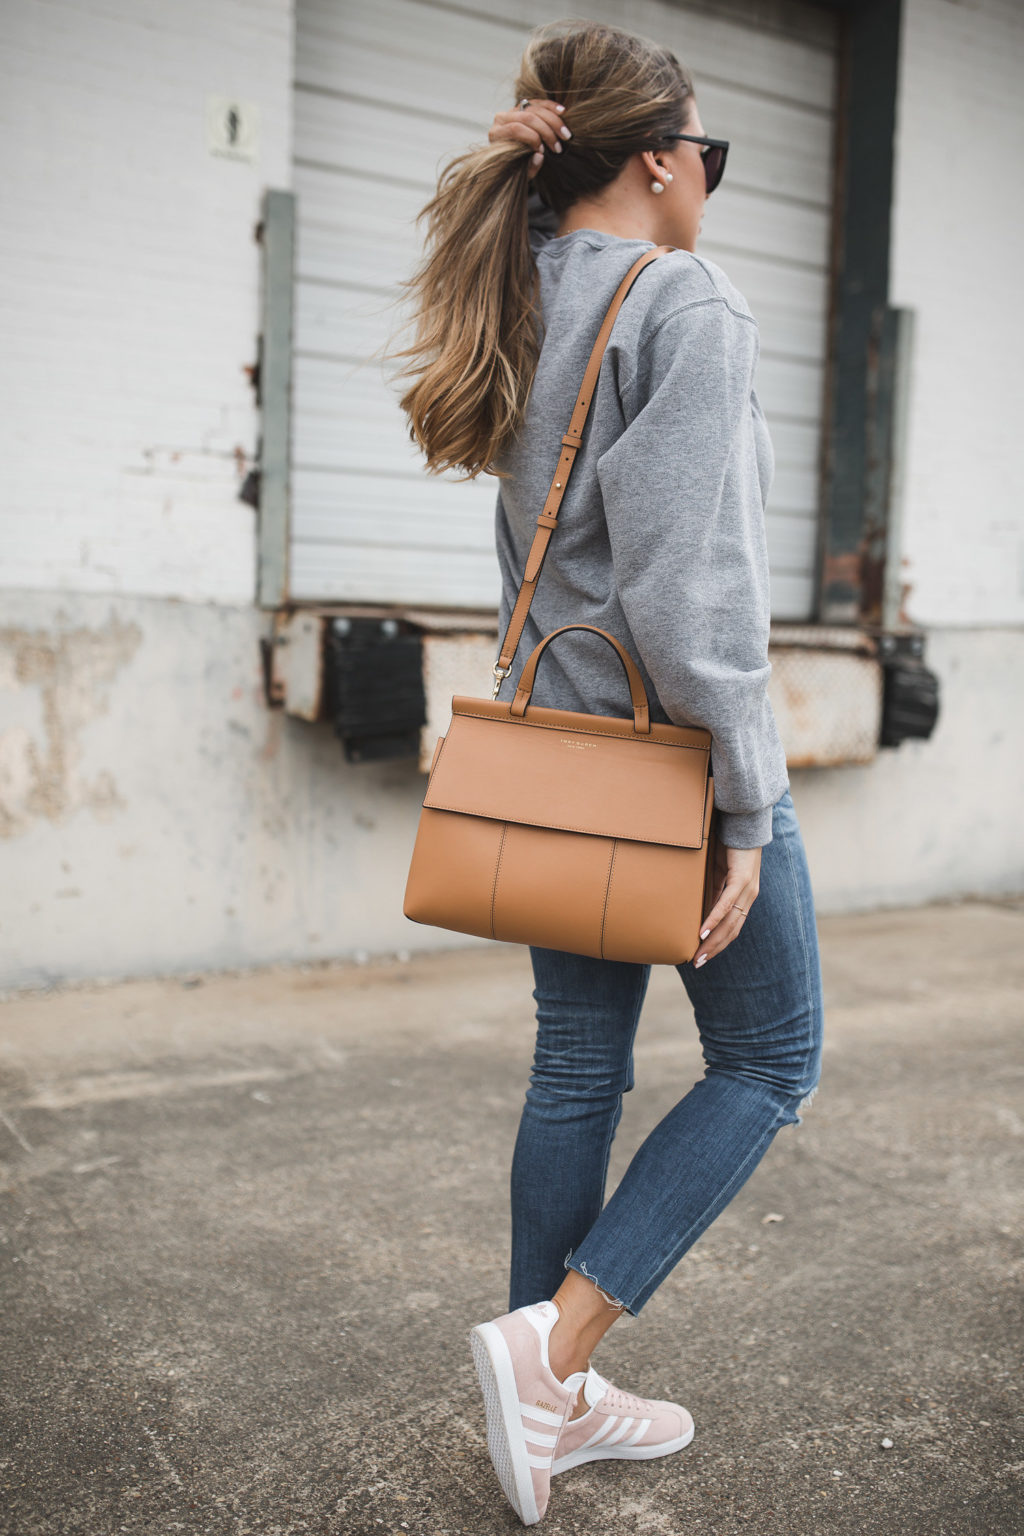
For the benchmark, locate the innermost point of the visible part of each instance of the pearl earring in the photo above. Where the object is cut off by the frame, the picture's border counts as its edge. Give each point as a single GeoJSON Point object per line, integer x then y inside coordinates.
{"type": "Point", "coordinates": [659, 186]}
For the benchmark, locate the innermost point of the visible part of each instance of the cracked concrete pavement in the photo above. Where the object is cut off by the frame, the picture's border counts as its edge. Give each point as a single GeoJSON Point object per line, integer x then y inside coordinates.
{"type": "Point", "coordinates": [247, 1221]}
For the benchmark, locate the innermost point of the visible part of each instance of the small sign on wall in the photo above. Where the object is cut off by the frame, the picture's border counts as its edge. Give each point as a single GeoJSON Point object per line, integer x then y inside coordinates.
{"type": "Point", "coordinates": [232, 127]}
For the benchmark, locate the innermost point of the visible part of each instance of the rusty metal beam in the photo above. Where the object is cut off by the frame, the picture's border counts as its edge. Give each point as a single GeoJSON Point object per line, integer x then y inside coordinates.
{"type": "Point", "coordinates": [857, 457]}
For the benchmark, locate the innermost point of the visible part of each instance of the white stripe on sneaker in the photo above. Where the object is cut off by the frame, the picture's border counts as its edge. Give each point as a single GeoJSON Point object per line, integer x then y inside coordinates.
{"type": "Point", "coordinates": [638, 1434]}
{"type": "Point", "coordinates": [537, 1437]}
{"type": "Point", "coordinates": [606, 1429]}
{"type": "Point", "coordinates": [623, 1430]}
{"type": "Point", "coordinates": [539, 1461]}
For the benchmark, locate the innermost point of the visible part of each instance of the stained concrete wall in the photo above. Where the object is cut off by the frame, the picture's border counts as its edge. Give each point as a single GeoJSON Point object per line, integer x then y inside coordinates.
{"type": "Point", "coordinates": [159, 818]}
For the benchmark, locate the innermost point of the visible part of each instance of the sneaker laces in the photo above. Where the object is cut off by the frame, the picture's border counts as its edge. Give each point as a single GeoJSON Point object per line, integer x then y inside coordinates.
{"type": "Point", "coordinates": [625, 1402]}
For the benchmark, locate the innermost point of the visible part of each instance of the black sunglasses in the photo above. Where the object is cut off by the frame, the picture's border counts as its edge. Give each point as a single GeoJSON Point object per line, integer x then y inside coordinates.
{"type": "Point", "coordinates": [713, 156]}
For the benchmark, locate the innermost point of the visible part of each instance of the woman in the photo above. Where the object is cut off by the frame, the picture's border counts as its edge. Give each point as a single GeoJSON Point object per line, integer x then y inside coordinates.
{"type": "Point", "coordinates": [660, 541]}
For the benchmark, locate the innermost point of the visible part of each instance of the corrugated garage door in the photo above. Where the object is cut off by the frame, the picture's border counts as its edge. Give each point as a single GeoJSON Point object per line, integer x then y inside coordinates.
{"type": "Point", "coordinates": [384, 93]}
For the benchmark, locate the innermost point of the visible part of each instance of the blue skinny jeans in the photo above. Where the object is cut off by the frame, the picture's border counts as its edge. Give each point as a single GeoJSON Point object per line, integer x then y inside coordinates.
{"type": "Point", "coordinates": [758, 1010]}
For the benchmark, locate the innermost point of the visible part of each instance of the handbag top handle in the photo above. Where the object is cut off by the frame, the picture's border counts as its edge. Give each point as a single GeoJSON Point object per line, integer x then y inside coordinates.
{"type": "Point", "coordinates": [547, 522]}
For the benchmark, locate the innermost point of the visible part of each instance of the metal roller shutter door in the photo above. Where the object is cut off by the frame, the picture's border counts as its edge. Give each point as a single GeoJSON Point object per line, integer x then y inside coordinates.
{"type": "Point", "coordinates": [384, 94]}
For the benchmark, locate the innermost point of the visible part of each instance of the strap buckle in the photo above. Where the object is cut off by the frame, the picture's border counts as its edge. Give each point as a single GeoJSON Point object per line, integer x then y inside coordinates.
{"type": "Point", "coordinates": [500, 674]}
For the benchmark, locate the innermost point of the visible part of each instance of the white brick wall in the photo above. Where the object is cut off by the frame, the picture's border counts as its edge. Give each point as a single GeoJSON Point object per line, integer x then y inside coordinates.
{"type": "Point", "coordinates": [129, 293]}
{"type": "Point", "coordinates": [958, 237]}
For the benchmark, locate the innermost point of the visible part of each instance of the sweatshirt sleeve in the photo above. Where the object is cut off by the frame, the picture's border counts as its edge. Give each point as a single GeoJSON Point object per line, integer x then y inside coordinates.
{"type": "Point", "coordinates": [685, 514]}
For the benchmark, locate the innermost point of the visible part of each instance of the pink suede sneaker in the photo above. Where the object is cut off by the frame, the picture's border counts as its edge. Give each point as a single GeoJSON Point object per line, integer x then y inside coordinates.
{"type": "Point", "coordinates": [620, 1425]}
{"type": "Point", "coordinates": [526, 1404]}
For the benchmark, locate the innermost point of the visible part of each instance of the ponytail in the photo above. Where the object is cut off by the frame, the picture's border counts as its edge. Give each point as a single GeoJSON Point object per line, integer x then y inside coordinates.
{"type": "Point", "coordinates": [477, 312]}
{"type": "Point", "coordinates": [476, 294]}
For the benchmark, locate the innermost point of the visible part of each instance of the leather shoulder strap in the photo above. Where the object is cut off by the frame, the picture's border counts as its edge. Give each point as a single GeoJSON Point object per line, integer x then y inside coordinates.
{"type": "Point", "coordinates": [547, 522]}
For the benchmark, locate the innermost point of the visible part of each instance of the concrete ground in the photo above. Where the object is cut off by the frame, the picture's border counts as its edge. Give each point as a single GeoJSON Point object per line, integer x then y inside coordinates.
{"type": "Point", "coordinates": [249, 1220]}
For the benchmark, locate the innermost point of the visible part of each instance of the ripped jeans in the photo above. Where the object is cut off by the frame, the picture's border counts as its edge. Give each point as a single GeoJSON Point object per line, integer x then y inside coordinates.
{"type": "Point", "coordinates": [758, 1010]}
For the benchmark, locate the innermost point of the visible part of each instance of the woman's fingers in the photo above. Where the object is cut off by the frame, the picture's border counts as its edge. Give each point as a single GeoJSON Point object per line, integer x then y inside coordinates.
{"type": "Point", "coordinates": [742, 867]}
{"type": "Point", "coordinates": [540, 125]}
{"type": "Point", "coordinates": [733, 870]}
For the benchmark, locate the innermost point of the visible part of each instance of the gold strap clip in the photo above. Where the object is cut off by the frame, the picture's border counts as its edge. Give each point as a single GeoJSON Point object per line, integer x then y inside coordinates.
{"type": "Point", "coordinates": [500, 674]}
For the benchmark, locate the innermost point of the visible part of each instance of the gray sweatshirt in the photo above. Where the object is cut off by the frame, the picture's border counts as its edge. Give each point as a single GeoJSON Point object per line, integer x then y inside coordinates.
{"type": "Point", "coordinates": [660, 537]}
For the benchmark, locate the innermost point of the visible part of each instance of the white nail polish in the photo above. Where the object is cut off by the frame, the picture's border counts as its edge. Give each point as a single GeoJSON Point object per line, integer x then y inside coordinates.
{"type": "Point", "coordinates": [705, 933]}
{"type": "Point", "coordinates": [698, 963]}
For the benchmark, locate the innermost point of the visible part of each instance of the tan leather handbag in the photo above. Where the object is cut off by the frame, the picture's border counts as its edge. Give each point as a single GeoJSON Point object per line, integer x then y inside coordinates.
{"type": "Point", "coordinates": [572, 831]}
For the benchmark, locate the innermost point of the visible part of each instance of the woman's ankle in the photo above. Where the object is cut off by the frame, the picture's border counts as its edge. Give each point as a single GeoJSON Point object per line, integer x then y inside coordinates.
{"type": "Point", "coordinates": [566, 1366]}
{"type": "Point", "coordinates": [565, 1355]}
{"type": "Point", "coordinates": [579, 1327]}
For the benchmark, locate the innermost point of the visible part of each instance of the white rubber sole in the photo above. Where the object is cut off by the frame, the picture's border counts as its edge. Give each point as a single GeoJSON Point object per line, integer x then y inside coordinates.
{"type": "Point", "coordinates": [620, 1453]}
{"type": "Point", "coordinates": [506, 1440]}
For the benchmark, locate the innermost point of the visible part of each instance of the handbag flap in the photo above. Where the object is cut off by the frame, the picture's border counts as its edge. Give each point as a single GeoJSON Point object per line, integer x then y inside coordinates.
{"type": "Point", "coordinates": [573, 772]}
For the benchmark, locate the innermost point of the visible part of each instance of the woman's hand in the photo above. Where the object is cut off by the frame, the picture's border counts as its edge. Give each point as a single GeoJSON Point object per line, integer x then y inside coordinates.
{"type": "Point", "coordinates": [539, 124]}
{"type": "Point", "coordinates": [737, 880]}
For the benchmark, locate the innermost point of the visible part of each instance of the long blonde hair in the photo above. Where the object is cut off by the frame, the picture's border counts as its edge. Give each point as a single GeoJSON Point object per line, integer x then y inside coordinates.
{"type": "Point", "coordinates": [476, 310]}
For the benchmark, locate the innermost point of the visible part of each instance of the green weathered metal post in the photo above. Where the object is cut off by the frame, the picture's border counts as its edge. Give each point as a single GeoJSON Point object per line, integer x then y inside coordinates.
{"type": "Point", "coordinates": [275, 396]}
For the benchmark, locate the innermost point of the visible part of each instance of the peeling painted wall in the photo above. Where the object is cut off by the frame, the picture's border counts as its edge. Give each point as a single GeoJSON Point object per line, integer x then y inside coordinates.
{"type": "Point", "coordinates": [178, 825]}
{"type": "Point", "coordinates": [175, 822]}
{"type": "Point", "coordinates": [61, 681]}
